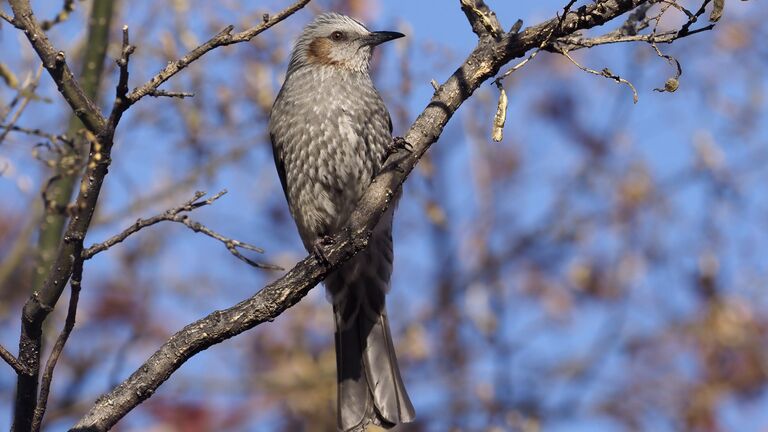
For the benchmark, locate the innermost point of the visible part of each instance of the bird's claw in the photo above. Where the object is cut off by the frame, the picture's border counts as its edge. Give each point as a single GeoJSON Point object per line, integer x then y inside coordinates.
{"type": "Point", "coordinates": [401, 143]}
{"type": "Point", "coordinates": [398, 143]}
{"type": "Point", "coordinates": [317, 248]}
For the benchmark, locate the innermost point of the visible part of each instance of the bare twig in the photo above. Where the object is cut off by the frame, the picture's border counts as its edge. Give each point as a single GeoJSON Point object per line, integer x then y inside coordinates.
{"type": "Point", "coordinates": [514, 68]}
{"type": "Point", "coordinates": [544, 43]}
{"type": "Point", "coordinates": [604, 73]}
{"type": "Point", "coordinates": [121, 91]}
{"type": "Point", "coordinates": [168, 215]}
{"type": "Point", "coordinates": [176, 214]}
{"type": "Point", "coordinates": [122, 62]}
{"type": "Point", "coordinates": [66, 9]}
{"type": "Point", "coordinates": [11, 360]}
{"type": "Point", "coordinates": [164, 93]}
{"type": "Point", "coordinates": [8, 76]}
{"type": "Point", "coordinates": [573, 43]}
{"type": "Point", "coordinates": [637, 21]}
{"type": "Point", "coordinates": [692, 18]}
{"type": "Point", "coordinates": [231, 244]}
{"type": "Point", "coordinates": [35, 132]}
{"type": "Point", "coordinates": [26, 93]}
{"type": "Point", "coordinates": [58, 347]}
{"type": "Point", "coordinates": [672, 83]}
{"type": "Point", "coordinates": [675, 5]}
{"type": "Point", "coordinates": [7, 18]}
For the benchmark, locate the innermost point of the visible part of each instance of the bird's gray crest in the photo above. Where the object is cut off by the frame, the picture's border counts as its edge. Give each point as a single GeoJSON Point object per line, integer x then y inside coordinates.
{"type": "Point", "coordinates": [335, 20]}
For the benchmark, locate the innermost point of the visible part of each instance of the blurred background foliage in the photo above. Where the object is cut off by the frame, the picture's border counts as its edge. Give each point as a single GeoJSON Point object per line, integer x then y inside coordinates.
{"type": "Point", "coordinates": [602, 268]}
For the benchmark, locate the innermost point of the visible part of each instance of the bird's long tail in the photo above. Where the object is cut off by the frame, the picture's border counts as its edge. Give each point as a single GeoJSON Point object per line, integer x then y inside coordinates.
{"type": "Point", "coordinates": [370, 389]}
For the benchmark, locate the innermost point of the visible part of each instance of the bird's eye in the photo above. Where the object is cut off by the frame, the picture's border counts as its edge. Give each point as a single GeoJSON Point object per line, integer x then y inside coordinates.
{"type": "Point", "coordinates": [338, 36]}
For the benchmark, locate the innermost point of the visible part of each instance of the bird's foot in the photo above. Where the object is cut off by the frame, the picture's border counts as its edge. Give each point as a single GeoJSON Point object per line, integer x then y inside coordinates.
{"type": "Point", "coordinates": [317, 249]}
{"type": "Point", "coordinates": [398, 143]}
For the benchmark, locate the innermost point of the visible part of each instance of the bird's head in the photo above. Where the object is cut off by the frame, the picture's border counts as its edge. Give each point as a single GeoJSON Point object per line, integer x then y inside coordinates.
{"type": "Point", "coordinates": [339, 41]}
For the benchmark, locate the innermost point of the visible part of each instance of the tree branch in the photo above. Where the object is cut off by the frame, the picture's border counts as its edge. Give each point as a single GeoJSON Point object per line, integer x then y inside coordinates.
{"type": "Point", "coordinates": [169, 214]}
{"type": "Point", "coordinates": [483, 63]}
{"type": "Point", "coordinates": [34, 132]}
{"type": "Point", "coordinates": [541, 46]}
{"type": "Point", "coordinates": [170, 94]}
{"type": "Point", "coordinates": [11, 360]}
{"type": "Point", "coordinates": [58, 347]}
{"type": "Point", "coordinates": [482, 19]}
{"type": "Point", "coordinates": [603, 73]}
{"type": "Point", "coordinates": [5, 17]}
{"type": "Point", "coordinates": [176, 215]}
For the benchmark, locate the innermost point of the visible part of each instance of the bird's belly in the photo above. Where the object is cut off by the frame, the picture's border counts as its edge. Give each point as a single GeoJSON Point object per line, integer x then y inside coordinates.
{"type": "Point", "coordinates": [327, 191]}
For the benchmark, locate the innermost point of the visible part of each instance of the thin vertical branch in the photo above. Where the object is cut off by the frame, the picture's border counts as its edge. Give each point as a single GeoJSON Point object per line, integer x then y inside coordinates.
{"type": "Point", "coordinates": [57, 250]}
{"type": "Point", "coordinates": [69, 324]}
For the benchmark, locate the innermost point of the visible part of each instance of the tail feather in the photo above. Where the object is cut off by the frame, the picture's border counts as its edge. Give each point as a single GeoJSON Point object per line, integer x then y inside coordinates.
{"type": "Point", "coordinates": [370, 388]}
{"type": "Point", "coordinates": [354, 401]}
{"type": "Point", "coordinates": [383, 374]}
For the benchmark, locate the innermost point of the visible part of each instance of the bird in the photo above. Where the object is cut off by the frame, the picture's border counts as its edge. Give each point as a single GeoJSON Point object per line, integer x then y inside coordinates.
{"type": "Point", "coordinates": [330, 134]}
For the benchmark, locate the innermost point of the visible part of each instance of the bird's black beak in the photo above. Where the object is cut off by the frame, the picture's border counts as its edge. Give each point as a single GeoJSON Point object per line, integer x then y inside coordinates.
{"type": "Point", "coordinates": [379, 37]}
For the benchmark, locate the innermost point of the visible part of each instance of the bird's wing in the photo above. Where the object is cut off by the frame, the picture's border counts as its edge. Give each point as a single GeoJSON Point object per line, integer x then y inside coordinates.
{"type": "Point", "coordinates": [280, 165]}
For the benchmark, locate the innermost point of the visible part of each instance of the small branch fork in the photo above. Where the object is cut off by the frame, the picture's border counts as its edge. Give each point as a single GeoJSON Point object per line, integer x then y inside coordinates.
{"type": "Point", "coordinates": [482, 19]}
{"type": "Point", "coordinates": [58, 347]}
{"type": "Point", "coordinates": [7, 18]}
{"type": "Point", "coordinates": [548, 40]}
{"type": "Point", "coordinates": [11, 360]}
{"type": "Point", "coordinates": [604, 73]}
